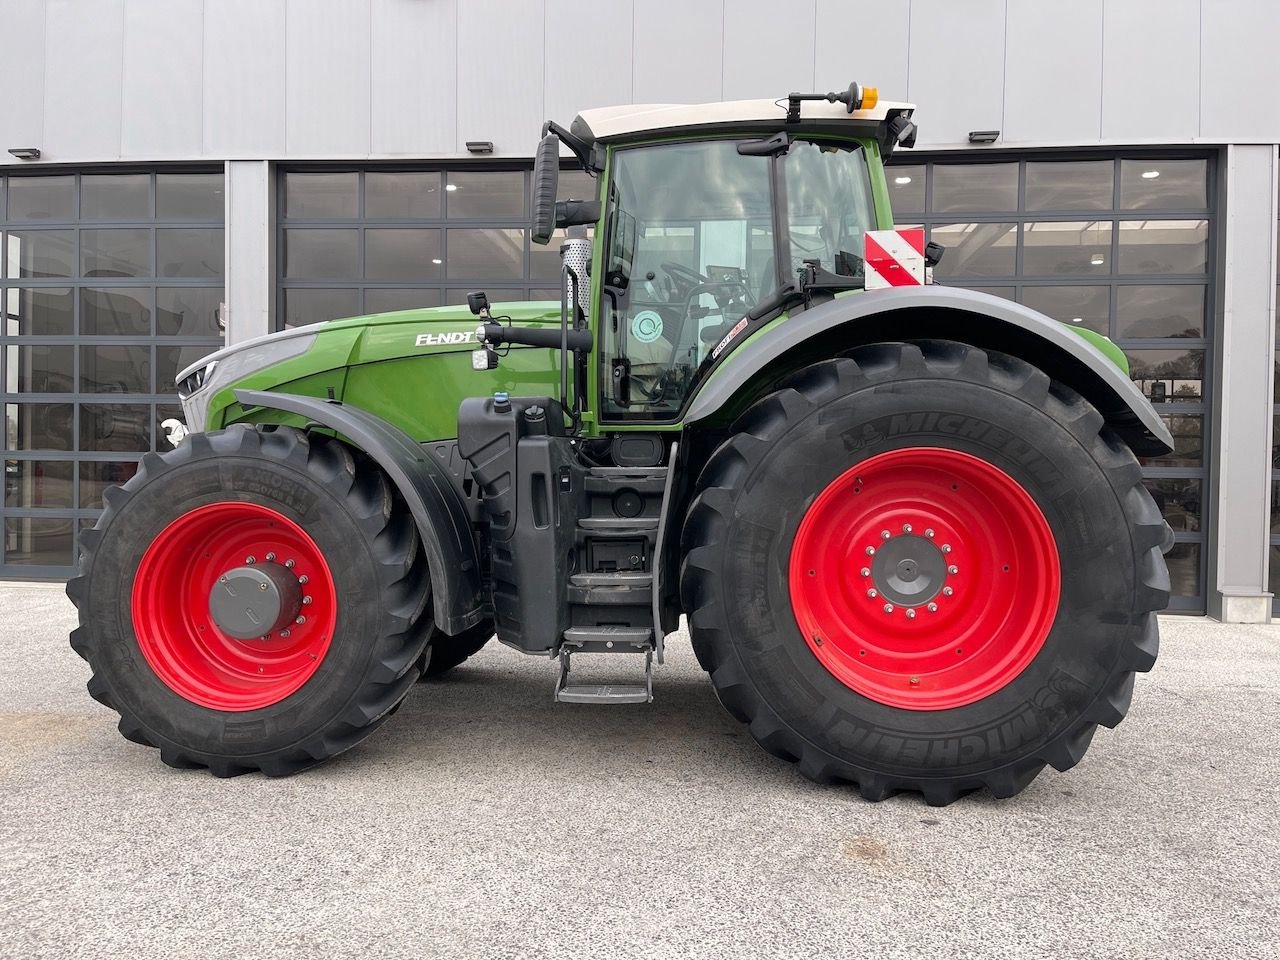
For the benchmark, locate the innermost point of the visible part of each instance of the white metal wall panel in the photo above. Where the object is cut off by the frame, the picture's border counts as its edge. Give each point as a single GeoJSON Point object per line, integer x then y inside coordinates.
{"type": "Point", "coordinates": [414, 96]}
{"type": "Point", "coordinates": [327, 83]}
{"type": "Point", "coordinates": [679, 46]}
{"type": "Point", "coordinates": [250, 268]}
{"type": "Point", "coordinates": [1151, 70]}
{"type": "Point", "coordinates": [1240, 70]}
{"type": "Point", "coordinates": [244, 51]}
{"type": "Point", "coordinates": [755, 65]}
{"type": "Point", "coordinates": [957, 68]}
{"type": "Point", "coordinates": [22, 77]}
{"type": "Point", "coordinates": [500, 79]}
{"type": "Point", "coordinates": [581, 75]}
{"type": "Point", "coordinates": [82, 80]}
{"type": "Point", "coordinates": [863, 40]}
{"type": "Point", "coordinates": [160, 113]}
{"type": "Point", "coordinates": [1053, 71]}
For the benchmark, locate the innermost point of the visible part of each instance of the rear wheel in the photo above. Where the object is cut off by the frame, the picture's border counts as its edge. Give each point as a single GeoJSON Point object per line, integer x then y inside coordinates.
{"type": "Point", "coordinates": [249, 601]}
{"type": "Point", "coordinates": [924, 566]}
{"type": "Point", "coordinates": [447, 652]}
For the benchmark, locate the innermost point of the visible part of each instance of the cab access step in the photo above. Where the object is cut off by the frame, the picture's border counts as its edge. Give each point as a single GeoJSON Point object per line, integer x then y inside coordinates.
{"type": "Point", "coordinates": [611, 640]}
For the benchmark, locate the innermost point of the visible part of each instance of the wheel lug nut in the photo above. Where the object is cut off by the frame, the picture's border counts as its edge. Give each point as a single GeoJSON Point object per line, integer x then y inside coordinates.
{"type": "Point", "coordinates": [888, 608]}
{"type": "Point", "coordinates": [271, 558]}
{"type": "Point", "coordinates": [250, 559]}
{"type": "Point", "coordinates": [871, 551]}
{"type": "Point", "coordinates": [953, 569]}
{"type": "Point", "coordinates": [300, 620]}
{"type": "Point", "coordinates": [866, 571]}
{"type": "Point", "coordinates": [873, 594]}
{"type": "Point", "coordinates": [306, 601]}
{"type": "Point", "coordinates": [946, 548]}
{"type": "Point", "coordinates": [289, 564]}
{"type": "Point", "coordinates": [929, 532]}
{"type": "Point", "coordinates": [884, 534]}
{"type": "Point", "coordinates": [304, 579]}
{"type": "Point", "coordinates": [911, 614]}
{"type": "Point", "coordinates": [932, 608]}
{"type": "Point", "coordinates": [947, 591]}
{"type": "Point", "coordinates": [285, 633]}
{"type": "Point", "coordinates": [906, 528]}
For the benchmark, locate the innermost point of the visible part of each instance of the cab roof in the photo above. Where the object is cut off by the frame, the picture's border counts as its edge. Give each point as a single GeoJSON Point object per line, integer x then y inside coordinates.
{"type": "Point", "coordinates": [606, 124]}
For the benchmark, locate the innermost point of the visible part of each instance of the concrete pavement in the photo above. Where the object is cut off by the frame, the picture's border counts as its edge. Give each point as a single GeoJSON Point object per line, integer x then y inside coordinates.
{"type": "Point", "coordinates": [485, 821]}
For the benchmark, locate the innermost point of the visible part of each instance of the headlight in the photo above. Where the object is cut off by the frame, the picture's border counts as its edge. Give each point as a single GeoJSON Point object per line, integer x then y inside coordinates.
{"type": "Point", "coordinates": [195, 380]}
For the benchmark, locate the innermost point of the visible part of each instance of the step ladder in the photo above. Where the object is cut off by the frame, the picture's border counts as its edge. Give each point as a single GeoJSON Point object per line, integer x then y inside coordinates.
{"type": "Point", "coordinates": [632, 640]}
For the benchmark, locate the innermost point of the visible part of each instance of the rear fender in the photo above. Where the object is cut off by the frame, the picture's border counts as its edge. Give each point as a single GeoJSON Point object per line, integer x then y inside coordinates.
{"type": "Point", "coordinates": [439, 514]}
{"type": "Point", "coordinates": [931, 312]}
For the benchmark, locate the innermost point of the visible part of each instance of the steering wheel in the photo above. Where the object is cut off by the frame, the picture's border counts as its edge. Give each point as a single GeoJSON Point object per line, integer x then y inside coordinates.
{"type": "Point", "coordinates": [687, 274]}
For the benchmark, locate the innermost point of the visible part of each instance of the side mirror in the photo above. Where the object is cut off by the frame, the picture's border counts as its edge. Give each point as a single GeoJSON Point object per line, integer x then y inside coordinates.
{"type": "Point", "coordinates": [546, 180]}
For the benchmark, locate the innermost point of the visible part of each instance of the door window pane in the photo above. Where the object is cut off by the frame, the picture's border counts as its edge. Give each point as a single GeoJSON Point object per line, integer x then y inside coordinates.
{"type": "Point", "coordinates": [322, 196]}
{"type": "Point", "coordinates": [1188, 443]}
{"type": "Point", "coordinates": [322, 254]}
{"type": "Point", "coordinates": [40, 253]}
{"type": "Point", "coordinates": [312, 306]}
{"type": "Point", "coordinates": [115, 311]}
{"type": "Point", "coordinates": [496, 195]}
{"type": "Point", "coordinates": [1165, 376]}
{"type": "Point", "coordinates": [115, 426]}
{"type": "Point", "coordinates": [402, 254]}
{"type": "Point", "coordinates": [115, 253]}
{"type": "Point", "coordinates": [38, 426]}
{"type": "Point", "coordinates": [400, 196]}
{"type": "Point", "coordinates": [1067, 247]}
{"type": "Point", "coordinates": [385, 301]}
{"type": "Point", "coordinates": [1079, 306]}
{"type": "Point", "coordinates": [1183, 562]}
{"type": "Point", "coordinates": [1070, 185]}
{"type": "Point", "coordinates": [39, 368]}
{"type": "Point", "coordinates": [1167, 184]}
{"type": "Point", "coordinates": [96, 476]}
{"type": "Point", "coordinates": [976, 249]}
{"type": "Point", "coordinates": [975, 187]}
{"type": "Point", "coordinates": [489, 254]}
{"type": "Point", "coordinates": [115, 196]}
{"type": "Point", "coordinates": [1178, 500]}
{"type": "Point", "coordinates": [38, 542]}
{"type": "Point", "coordinates": [115, 369]}
{"type": "Point", "coordinates": [1160, 311]}
{"type": "Point", "coordinates": [906, 189]}
{"type": "Point", "coordinates": [37, 483]}
{"type": "Point", "coordinates": [188, 312]}
{"type": "Point", "coordinates": [190, 253]}
{"type": "Point", "coordinates": [189, 196]}
{"type": "Point", "coordinates": [1164, 246]}
{"type": "Point", "coordinates": [42, 198]}
{"type": "Point", "coordinates": [577, 185]}
{"type": "Point", "coordinates": [38, 311]}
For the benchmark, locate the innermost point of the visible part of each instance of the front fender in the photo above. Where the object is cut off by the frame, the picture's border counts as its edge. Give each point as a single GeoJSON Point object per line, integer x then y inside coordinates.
{"type": "Point", "coordinates": [929, 312]}
{"type": "Point", "coordinates": [440, 517]}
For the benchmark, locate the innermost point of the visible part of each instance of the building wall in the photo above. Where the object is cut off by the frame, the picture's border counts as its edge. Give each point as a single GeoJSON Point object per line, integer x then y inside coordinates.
{"type": "Point", "coordinates": [249, 84]}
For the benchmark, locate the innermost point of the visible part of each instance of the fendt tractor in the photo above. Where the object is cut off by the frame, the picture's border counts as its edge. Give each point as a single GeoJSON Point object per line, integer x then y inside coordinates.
{"type": "Point", "coordinates": [907, 525]}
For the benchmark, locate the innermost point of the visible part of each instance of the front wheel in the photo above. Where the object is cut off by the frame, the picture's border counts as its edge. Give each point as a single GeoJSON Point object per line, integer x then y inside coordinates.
{"type": "Point", "coordinates": [924, 566]}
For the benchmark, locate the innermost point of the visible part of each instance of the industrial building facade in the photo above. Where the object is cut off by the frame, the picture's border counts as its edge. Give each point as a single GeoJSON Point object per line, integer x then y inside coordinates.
{"type": "Point", "coordinates": [214, 169]}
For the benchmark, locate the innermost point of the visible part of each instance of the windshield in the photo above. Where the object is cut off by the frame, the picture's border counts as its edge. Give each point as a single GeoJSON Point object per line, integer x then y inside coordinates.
{"type": "Point", "coordinates": [829, 206]}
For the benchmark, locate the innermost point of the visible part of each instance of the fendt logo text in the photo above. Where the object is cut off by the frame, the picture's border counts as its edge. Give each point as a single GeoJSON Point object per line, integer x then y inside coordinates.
{"type": "Point", "coordinates": [440, 339]}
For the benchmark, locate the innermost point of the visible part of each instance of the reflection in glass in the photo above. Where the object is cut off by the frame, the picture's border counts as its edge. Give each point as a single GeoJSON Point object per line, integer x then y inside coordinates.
{"type": "Point", "coordinates": [37, 483]}
{"type": "Point", "coordinates": [38, 426]}
{"type": "Point", "coordinates": [1081, 248]}
{"type": "Point", "coordinates": [115, 426]}
{"type": "Point", "coordinates": [322, 254]}
{"type": "Point", "coordinates": [38, 368]}
{"type": "Point", "coordinates": [322, 196]}
{"type": "Point", "coordinates": [1167, 375]}
{"type": "Point", "coordinates": [188, 311]}
{"type": "Point", "coordinates": [96, 476]}
{"type": "Point", "coordinates": [1188, 444]}
{"type": "Point", "coordinates": [1167, 310]}
{"type": "Point", "coordinates": [1164, 246]}
{"type": "Point", "coordinates": [398, 196]}
{"type": "Point", "coordinates": [115, 311]}
{"type": "Point", "coordinates": [40, 253]}
{"type": "Point", "coordinates": [1178, 500]}
{"type": "Point", "coordinates": [115, 253]}
{"type": "Point", "coordinates": [1080, 306]}
{"type": "Point", "coordinates": [576, 185]}
{"type": "Point", "coordinates": [906, 189]}
{"type": "Point", "coordinates": [1070, 185]}
{"type": "Point", "coordinates": [38, 312]}
{"type": "Point", "coordinates": [975, 187]}
{"type": "Point", "coordinates": [402, 254]}
{"type": "Point", "coordinates": [976, 249]}
{"type": "Point", "coordinates": [38, 541]}
{"type": "Point", "coordinates": [189, 196]}
{"type": "Point", "coordinates": [1184, 569]}
{"type": "Point", "coordinates": [495, 254]}
{"type": "Point", "coordinates": [386, 301]}
{"type": "Point", "coordinates": [115, 368]}
{"type": "Point", "coordinates": [312, 306]}
{"type": "Point", "coordinates": [1167, 184]}
{"type": "Point", "coordinates": [41, 198]}
{"type": "Point", "coordinates": [115, 196]}
{"type": "Point", "coordinates": [477, 195]}
{"type": "Point", "coordinates": [190, 252]}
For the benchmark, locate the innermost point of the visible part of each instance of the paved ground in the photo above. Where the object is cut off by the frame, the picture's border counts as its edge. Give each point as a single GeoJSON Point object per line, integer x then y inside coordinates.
{"type": "Point", "coordinates": [485, 822]}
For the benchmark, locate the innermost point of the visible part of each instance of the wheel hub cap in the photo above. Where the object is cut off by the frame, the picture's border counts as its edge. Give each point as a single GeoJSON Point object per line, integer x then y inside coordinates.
{"type": "Point", "coordinates": [250, 602]}
{"type": "Point", "coordinates": [908, 570]}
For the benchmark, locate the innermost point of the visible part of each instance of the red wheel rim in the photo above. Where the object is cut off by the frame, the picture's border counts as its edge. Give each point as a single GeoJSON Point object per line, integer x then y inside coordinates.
{"type": "Point", "coordinates": [175, 627]}
{"type": "Point", "coordinates": [924, 578]}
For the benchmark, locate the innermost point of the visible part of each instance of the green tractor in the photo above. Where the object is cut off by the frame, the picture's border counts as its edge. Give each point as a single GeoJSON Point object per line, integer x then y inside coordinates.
{"type": "Point", "coordinates": [906, 522]}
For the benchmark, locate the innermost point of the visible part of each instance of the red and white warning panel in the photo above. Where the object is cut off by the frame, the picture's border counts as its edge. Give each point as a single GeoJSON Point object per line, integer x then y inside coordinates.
{"type": "Point", "coordinates": [894, 258]}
